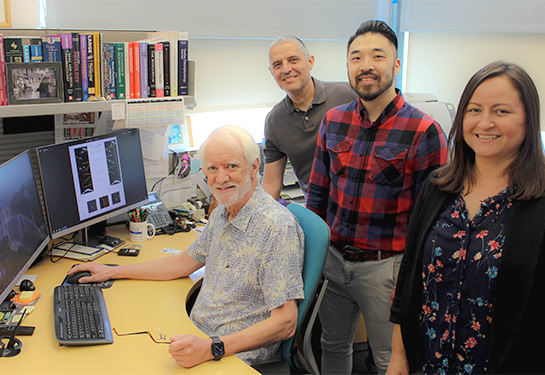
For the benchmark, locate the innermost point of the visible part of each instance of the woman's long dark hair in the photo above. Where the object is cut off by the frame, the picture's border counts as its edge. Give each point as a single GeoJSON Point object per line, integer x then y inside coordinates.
{"type": "Point", "coordinates": [527, 171]}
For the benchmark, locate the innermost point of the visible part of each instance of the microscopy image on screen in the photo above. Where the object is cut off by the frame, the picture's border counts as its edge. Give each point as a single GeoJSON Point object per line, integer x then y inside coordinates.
{"type": "Point", "coordinates": [104, 202]}
{"type": "Point", "coordinates": [97, 175]}
{"type": "Point", "coordinates": [112, 158]}
{"type": "Point", "coordinates": [116, 198]}
{"type": "Point", "coordinates": [84, 170]}
{"type": "Point", "coordinates": [92, 206]}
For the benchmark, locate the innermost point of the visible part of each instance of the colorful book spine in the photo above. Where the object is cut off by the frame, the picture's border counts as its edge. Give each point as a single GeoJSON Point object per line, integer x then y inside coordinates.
{"type": "Point", "coordinates": [183, 50]}
{"type": "Point", "coordinates": [132, 91]}
{"type": "Point", "coordinates": [172, 38]}
{"type": "Point", "coordinates": [151, 70]}
{"type": "Point", "coordinates": [97, 42]}
{"type": "Point", "coordinates": [13, 49]}
{"type": "Point", "coordinates": [108, 70]}
{"type": "Point", "coordinates": [91, 66]}
{"type": "Point", "coordinates": [120, 69]}
{"type": "Point", "coordinates": [68, 67]}
{"type": "Point", "coordinates": [35, 45]}
{"type": "Point", "coordinates": [137, 84]}
{"type": "Point", "coordinates": [166, 68]}
{"type": "Point", "coordinates": [159, 69]}
{"type": "Point", "coordinates": [76, 61]}
{"type": "Point", "coordinates": [26, 53]}
{"type": "Point", "coordinates": [144, 84]}
{"type": "Point", "coordinates": [36, 53]}
{"type": "Point", "coordinates": [84, 65]}
{"type": "Point", "coordinates": [51, 49]}
{"type": "Point", "coordinates": [127, 71]}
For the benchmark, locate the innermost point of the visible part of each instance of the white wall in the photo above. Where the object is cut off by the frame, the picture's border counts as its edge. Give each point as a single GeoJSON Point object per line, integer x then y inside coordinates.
{"type": "Point", "coordinates": [442, 63]}
{"type": "Point", "coordinates": [234, 73]}
{"type": "Point", "coordinates": [24, 14]}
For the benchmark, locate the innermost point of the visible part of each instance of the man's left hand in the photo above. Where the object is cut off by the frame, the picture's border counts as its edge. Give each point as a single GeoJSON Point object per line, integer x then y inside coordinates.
{"type": "Point", "coordinates": [190, 350]}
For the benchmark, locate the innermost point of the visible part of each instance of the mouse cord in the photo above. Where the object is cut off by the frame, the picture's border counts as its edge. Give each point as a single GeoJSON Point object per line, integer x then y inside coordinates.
{"type": "Point", "coordinates": [61, 256]}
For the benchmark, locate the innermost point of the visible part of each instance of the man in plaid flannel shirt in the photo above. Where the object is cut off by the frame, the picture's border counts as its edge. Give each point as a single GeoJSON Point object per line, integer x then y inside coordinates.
{"type": "Point", "coordinates": [372, 156]}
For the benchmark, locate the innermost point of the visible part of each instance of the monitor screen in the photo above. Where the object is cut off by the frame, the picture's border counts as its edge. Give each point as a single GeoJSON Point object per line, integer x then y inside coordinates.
{"type": "Point", "coordinates": [23, 232]}
{"type": "Point", "coordinates": [92, 179]}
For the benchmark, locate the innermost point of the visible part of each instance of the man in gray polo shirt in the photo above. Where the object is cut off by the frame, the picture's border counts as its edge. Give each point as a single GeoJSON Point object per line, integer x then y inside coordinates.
{"type": "Point", "coordinates": [291, 128]}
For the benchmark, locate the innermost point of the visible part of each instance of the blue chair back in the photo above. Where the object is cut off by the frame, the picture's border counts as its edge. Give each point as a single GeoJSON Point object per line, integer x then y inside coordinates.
{"type": "Point", "coordinates": [317, 237]}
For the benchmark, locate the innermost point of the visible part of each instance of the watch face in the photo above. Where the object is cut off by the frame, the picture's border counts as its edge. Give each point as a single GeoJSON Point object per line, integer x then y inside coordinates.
{"type": "Point", "coordinates": [217, 348]}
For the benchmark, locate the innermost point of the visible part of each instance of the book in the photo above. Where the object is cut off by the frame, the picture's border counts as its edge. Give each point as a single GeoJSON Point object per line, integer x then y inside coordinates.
{"type": "Point", "coordinates": [68, 66]}
{"type": "Point", "coordinates": [76, 63]}
{"type": "Point", "coordinates": [159, 68]}
{"type": "Point", "coordinates": [25, 45]}
{"type": "Point", "coordinates": [90, 65]}
{"type": "Point", "coordinates": [131, 71]}
{"type": "Point", "coordinates": [3, 81]}
{"type": "Point", "coordinates": [97, 42]}
{"type": "Point", "coordinates": [26, 53]}
{"type": "Point", "coordinates": [108, 70]}
{"type": "Point", "coordinates": [151, 70]}
{"type": "Point", "coordinates": [166, 68]}
{"type": "Point", "coordinates": [144, 84]}
{"type": "Point", "coordinates": [127, 71]}
{"type": "Point", "coordinates": [84, 65]}
{"type": "Point", "coordinates": [51, 49]}
{"type": "Point", "coordinates": [35, 46]}
{"type": "Point", "coordinates": [183, 50]}
{"type": "Point", "coordinates": [36, 54]}
{"type": "Point", "coordinates": [94, 42]}
{"type": "Point", "coordinates": [172, 38]}
{"type": "Point", "coordinates": [120, 70]}
{"type": "Point", "coordinates": [13, 49]}
{"type": "Point", "coordinates": [137, 79]}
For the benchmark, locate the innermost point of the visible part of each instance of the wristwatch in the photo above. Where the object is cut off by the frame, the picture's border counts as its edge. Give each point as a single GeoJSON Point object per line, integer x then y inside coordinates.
{"type": "Point", "coordinates": [217, 348]}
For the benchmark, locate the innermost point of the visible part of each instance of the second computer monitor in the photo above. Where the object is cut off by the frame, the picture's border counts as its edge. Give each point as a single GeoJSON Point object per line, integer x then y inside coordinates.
{"type": "Point", "coordinates": [23, 231]}
{"type": "Point", "coordinates": [90, 180]}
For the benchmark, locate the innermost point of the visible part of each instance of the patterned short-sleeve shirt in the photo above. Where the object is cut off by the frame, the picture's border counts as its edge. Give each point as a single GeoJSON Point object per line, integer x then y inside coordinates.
{"type": "Point", "coordinates": [253, 265]}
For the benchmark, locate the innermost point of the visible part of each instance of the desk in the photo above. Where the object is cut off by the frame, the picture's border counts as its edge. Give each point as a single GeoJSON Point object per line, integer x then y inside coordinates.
{"type": "Point", "coordinates": [133, 305]}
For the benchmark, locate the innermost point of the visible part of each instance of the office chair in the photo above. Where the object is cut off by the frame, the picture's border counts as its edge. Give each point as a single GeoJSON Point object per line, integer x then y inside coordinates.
{"type": "Point", "coordinates": [317, 237]}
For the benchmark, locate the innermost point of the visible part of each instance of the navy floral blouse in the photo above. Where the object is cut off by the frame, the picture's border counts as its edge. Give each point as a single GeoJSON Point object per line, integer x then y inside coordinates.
{"type": "Point", "coordinates": [460, 265]}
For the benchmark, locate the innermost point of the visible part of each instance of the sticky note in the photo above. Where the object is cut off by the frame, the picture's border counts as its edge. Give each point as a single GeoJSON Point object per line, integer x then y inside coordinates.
{"type": "Point", "coordinates": [26, 296]}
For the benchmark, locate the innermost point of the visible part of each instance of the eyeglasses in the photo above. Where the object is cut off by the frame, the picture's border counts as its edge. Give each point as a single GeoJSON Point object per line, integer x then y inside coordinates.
{"type": "Point", "coordinates": [161, 338]}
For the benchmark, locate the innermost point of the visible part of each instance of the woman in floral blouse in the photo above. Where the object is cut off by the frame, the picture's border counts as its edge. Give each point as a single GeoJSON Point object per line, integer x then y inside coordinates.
{"type": "Point", "coordinates": [468, 297]}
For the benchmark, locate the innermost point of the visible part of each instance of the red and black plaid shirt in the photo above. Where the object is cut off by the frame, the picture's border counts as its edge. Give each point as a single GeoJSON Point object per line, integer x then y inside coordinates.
{"type": "Point", "coordinates": [366, 176]}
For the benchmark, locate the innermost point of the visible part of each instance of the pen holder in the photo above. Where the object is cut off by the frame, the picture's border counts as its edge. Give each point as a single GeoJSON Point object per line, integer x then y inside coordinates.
{"type": "Point", "coordinates": [141, 231]}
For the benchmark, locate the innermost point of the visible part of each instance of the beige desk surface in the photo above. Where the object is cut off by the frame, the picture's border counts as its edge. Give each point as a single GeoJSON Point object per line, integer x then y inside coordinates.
{"type": "Point", "coordinates": [133, 306]}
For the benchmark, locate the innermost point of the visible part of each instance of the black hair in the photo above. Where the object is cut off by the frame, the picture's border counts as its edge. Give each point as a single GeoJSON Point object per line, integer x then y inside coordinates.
{"type": "Point", "coordinates": [375, 26]}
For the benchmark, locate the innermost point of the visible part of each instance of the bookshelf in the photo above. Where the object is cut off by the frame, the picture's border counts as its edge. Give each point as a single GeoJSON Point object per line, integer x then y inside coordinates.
{"type": "Point", "coordinates": [25, 110]}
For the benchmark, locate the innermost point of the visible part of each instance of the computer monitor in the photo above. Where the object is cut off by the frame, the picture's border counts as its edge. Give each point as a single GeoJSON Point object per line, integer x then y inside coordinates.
{"type": "Point", "coordinates": [89, 180]}
{"type": "Point", "coordinates": [23, 231]}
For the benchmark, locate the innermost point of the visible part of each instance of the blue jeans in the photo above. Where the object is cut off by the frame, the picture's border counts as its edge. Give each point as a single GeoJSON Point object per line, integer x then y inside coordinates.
{"type": "Point", "coordinates": [356, 287]}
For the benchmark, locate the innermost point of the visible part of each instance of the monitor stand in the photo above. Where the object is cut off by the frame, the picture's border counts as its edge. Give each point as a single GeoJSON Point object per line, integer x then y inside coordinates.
{"type": "Point", "coordinates": [95, 236]}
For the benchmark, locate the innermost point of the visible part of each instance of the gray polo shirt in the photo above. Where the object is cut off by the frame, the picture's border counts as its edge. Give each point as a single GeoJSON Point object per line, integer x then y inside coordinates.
{"type": "Point", "coordinates": [291, 132]}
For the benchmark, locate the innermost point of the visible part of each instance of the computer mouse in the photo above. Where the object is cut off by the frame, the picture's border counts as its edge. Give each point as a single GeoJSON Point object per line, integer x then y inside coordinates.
{"type": "Point", "coordinates": [74, 278]}
{"type": "Point", "coordinates": [26, 286]}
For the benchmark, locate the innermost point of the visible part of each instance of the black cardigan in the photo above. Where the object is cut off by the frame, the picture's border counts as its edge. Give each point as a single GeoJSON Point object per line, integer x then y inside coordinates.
{"type": "Point", "coordinates": [517, 329]}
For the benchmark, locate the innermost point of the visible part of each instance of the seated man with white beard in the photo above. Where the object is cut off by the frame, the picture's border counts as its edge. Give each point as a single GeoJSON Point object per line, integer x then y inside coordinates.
{"type": "Point", "coordinates": [253, 250]}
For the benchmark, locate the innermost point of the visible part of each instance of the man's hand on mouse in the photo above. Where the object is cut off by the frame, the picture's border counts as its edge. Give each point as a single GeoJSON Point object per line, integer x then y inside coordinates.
{"type": "Point", "coordinates": [99, 272]}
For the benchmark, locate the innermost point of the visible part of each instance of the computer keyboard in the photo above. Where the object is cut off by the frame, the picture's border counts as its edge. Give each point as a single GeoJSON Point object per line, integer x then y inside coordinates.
{"type": "Point", "coordinates": [80, 315]}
